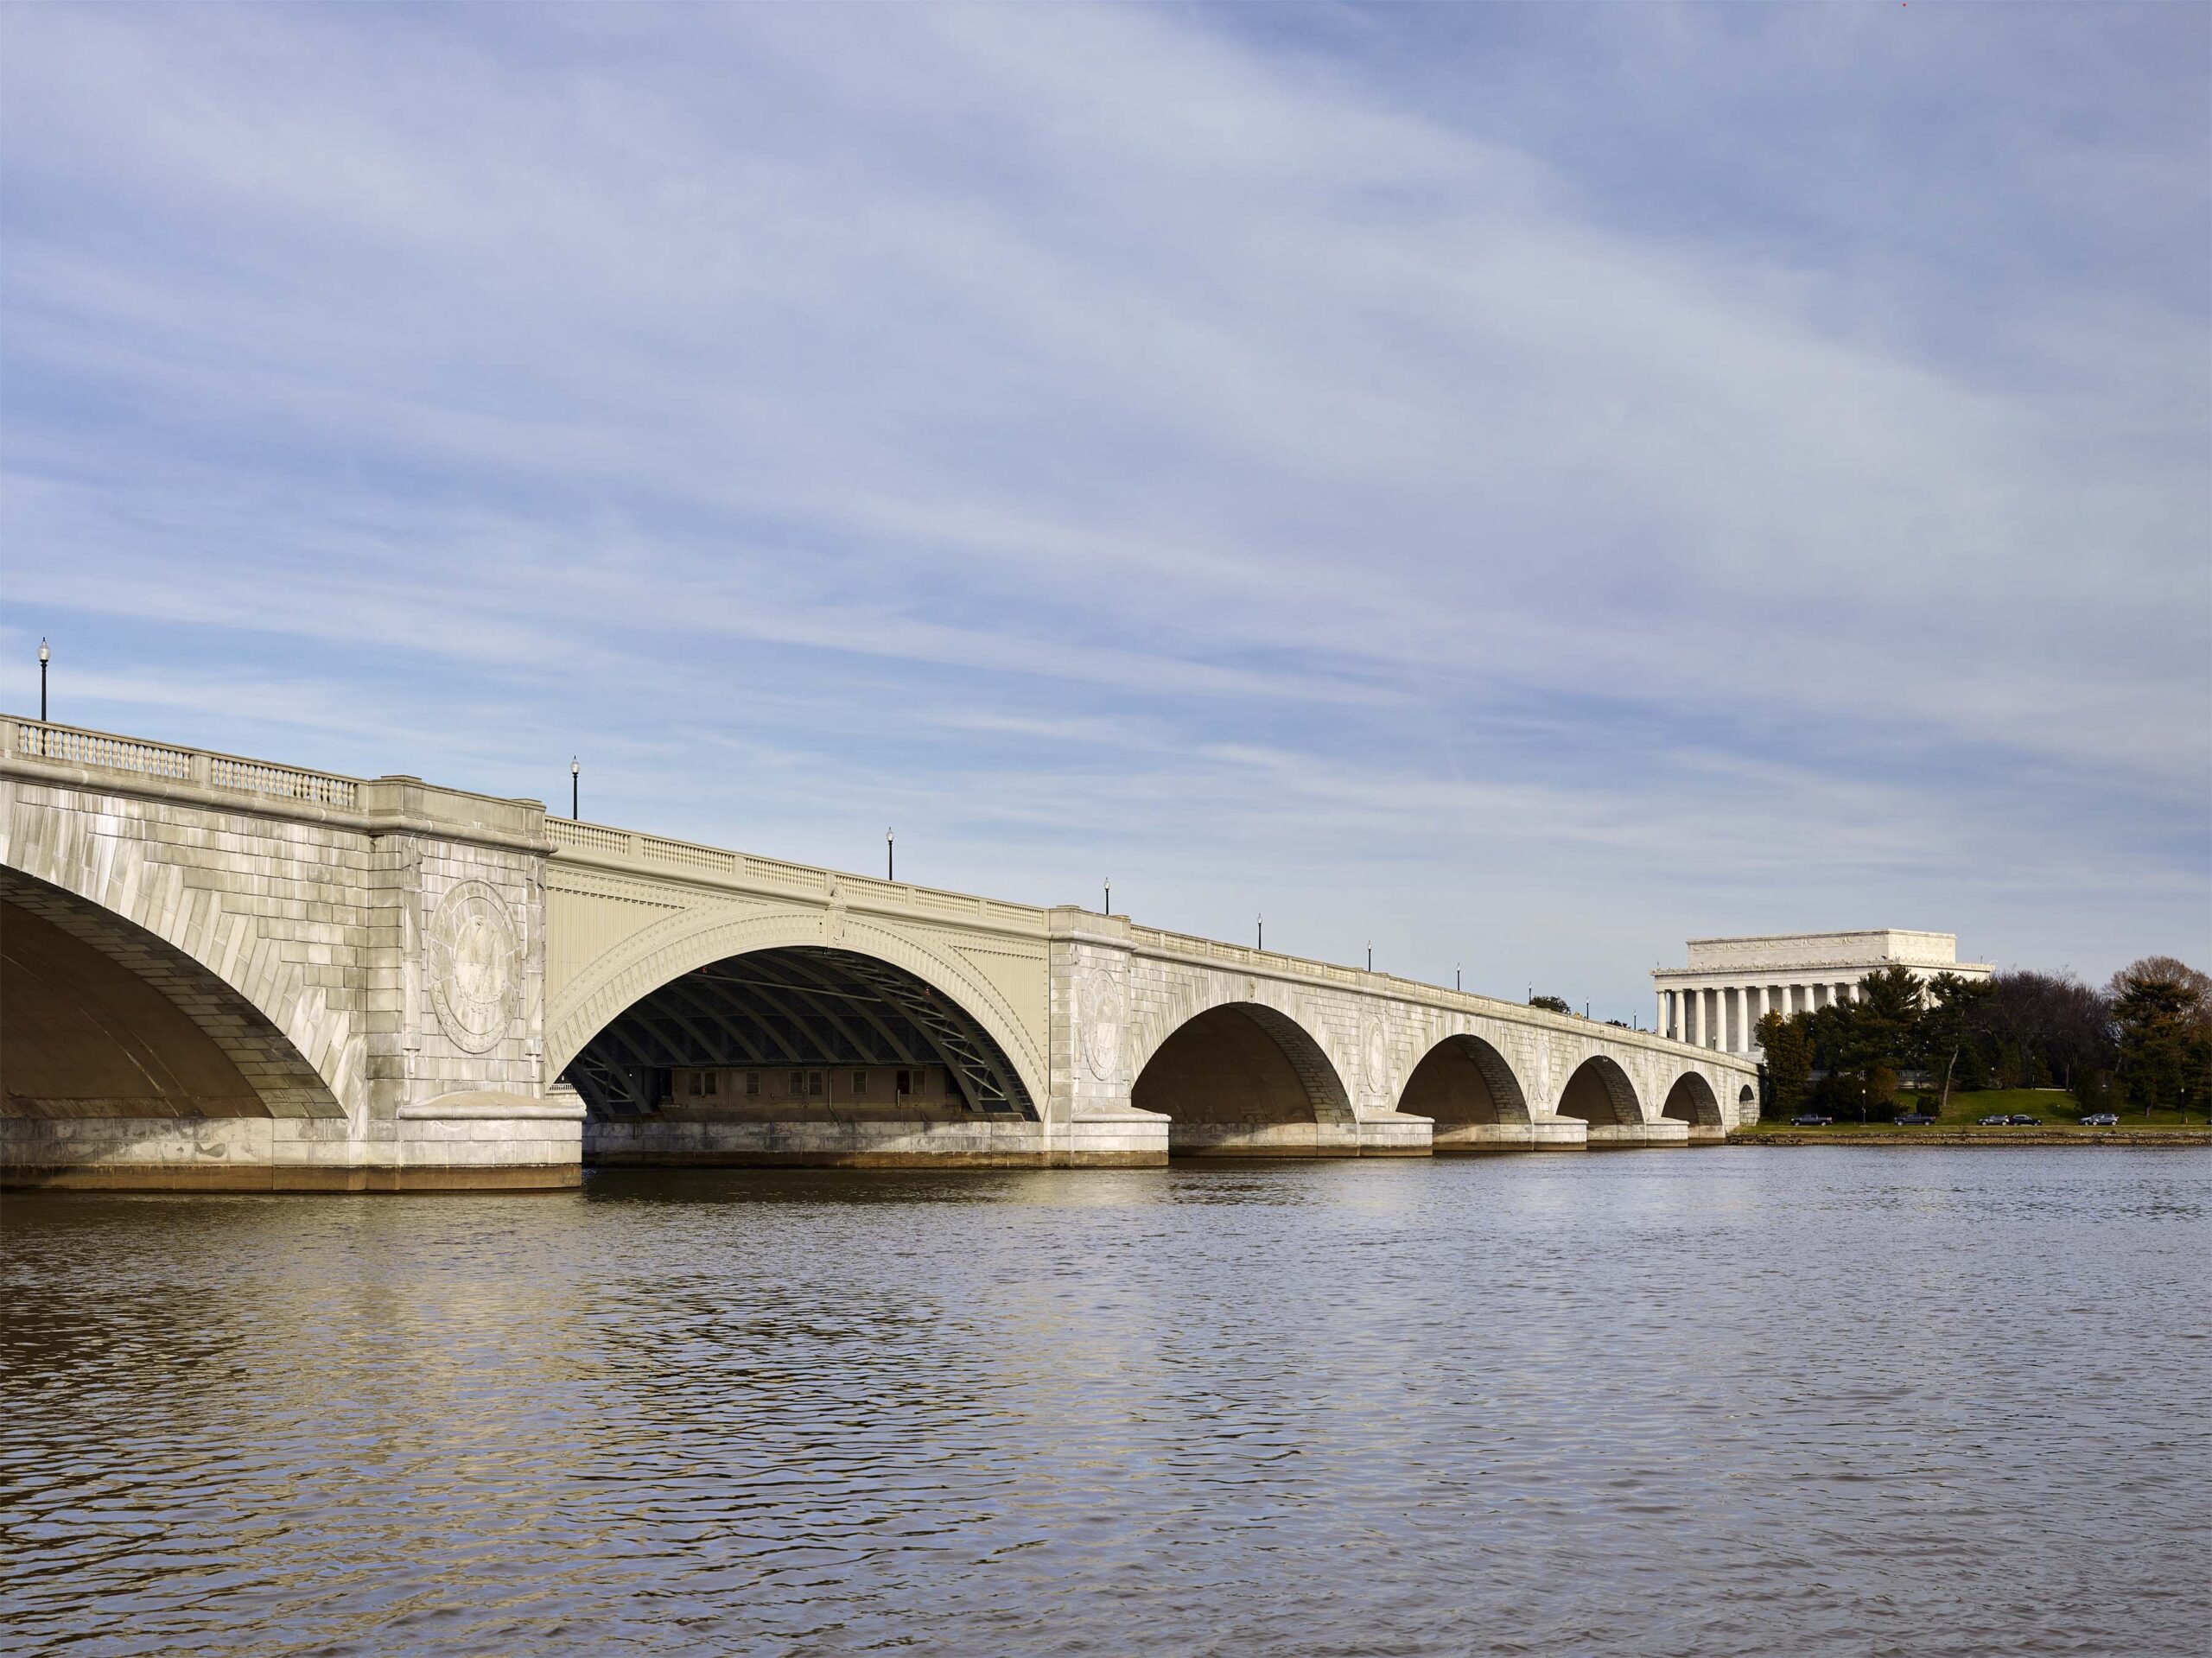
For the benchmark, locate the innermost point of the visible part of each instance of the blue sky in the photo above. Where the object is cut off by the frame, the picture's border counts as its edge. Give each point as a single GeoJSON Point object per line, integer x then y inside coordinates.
{"type": "Point", "coordinates": [1522, 486]}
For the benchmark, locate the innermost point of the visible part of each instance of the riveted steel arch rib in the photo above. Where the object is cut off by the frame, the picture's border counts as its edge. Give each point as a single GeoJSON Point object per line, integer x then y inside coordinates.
{"type": "Point", "coordinates": [984, 1074]}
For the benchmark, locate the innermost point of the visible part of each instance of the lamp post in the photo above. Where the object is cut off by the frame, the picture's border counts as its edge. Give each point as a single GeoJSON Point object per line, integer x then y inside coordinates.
{"type": "Point", "coordinates": [44, 655]}
{"type": "Point", "coordinates": [1370, 955]}
{"type": "Point", "coordinates": [890, 857]}
{"type": "Point", "coordinates": [1109, 896]}
{"type": "Point", "coordinates": [1455, 975]}
{"type": "Point", "coordinates": [1260, 942]}
{"type": "Point", "coordinates": [575, 789]}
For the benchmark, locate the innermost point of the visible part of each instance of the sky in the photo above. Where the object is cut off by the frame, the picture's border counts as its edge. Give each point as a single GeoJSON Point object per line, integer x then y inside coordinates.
{"type": "Point", "coordinates": [1519, 488]}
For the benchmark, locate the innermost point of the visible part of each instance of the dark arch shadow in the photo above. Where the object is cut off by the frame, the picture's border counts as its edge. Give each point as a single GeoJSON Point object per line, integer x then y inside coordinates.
{"type": "Point", "coordinates": [101, 1019]}
{"type": "Point", "coordinates": [1693, 1100]}
{"type": "Point", "coordinates": [1467, 1089]}
{"type": "Point", "coordinates": [796, 1034]}
{"type": "Point", "coordinates": [1241, 1080]}
{"type": "Point", "coordinates": [1600, 1093]}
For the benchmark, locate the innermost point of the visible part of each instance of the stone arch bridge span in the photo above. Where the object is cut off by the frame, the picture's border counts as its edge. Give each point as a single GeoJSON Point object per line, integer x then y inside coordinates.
{"type": "Point", "coordinates": [365, 983]}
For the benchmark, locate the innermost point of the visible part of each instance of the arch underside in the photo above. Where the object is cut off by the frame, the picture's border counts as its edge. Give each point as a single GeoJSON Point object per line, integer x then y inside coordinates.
{"type": "Point", "coordinates": [101, 1019]}
{"type": "Point", "coordinates": [1692, 1100]}
{"type": "Point", "coordinates": [1465, 1086]}
{"type": "Point", "coordinates": [1246, 1080]}
{"type": "Point", "coordinates": [1601, 1095]}
{"type": "Point", "coordinates": [805, 1008]}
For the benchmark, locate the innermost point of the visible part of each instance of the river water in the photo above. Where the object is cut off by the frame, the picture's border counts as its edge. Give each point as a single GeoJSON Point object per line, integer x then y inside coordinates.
{"type": "Point", "coordinates": [1718, 1401]}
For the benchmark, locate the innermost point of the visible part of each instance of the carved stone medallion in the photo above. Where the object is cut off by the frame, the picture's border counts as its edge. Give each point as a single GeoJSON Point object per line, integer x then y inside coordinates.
{"type": "Point", "coordinates": [475, 965]}
{"type": "Point", "coordinates": [1098, 1019]}
{"type": "Point", "coordinates": [1377, 1057]}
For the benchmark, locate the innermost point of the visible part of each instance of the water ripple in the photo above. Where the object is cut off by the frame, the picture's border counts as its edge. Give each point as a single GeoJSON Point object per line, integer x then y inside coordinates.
{"type": "Point", "coordinates": [1713, 1403]}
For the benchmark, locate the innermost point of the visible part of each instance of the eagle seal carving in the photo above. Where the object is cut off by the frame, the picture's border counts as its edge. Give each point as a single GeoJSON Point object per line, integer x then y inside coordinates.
{"type": "Point", "coordinates": [1377, 1057]}
{"type": "Point", "coordinates": [474, 965]}
{"type": "Point", "coordinates": [1099, 1020]}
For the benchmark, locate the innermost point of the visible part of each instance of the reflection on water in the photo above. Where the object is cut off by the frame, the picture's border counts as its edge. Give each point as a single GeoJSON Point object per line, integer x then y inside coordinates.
{"type": "Point", "coordinates": [1715, 1402]}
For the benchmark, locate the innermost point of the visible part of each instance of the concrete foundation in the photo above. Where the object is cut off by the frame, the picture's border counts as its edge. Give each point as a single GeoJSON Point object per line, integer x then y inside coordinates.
{"type": "Point", "coordinates": [1610, 1137]}
{"type": "Point", "coordinates": [265, 1155]}
{"type": "Point", "coordinates": [652, 1142]}
{"type": "Point", "coordinates": [1553, 1134]}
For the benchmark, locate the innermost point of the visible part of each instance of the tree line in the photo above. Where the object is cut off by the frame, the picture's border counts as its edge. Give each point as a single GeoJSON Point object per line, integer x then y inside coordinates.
{"type": "Point", "coordinates": [2142, 1043]}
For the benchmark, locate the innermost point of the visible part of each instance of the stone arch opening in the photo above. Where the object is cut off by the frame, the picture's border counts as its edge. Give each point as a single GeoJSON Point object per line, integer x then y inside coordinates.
{"type": "Point", "coordinates": [1747, 1105]}
{"type": "Point", "coordinates": [1600, 1093]}
{"type": "Point", "coordinates": [101, 1019]}
{"type": "Point", "coordinates": [1693, 1100]}
{"type": "Point", "coordinates": [793, 1039]}
{"type": "Point", "coordinates": [1243, 1080]}
{"type": "Point", "coordinates": [1465, 1087]}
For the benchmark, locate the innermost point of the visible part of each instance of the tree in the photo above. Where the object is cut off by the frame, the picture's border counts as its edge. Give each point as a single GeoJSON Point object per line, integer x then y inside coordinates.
{"type": "Point", "coordinates": [2163, 1010]}
{"type": "Point", "coordinates": [1550, 1004]}
{"type": "Point", "coordinates": [1864, 1043]}
{"type": "Point", "coordinates": [1789, 1047]}
{"type": "Point", "coordinates": [2195, 988]}
{"type": "Point", "coordinates": [1945, 1029]}
{"type": "Point", "coordinates": [2051, 1021]}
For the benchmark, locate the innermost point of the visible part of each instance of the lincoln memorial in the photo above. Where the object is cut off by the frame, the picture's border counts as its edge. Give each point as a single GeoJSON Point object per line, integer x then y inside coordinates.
{"type": "Point", "coordinates": [1730, 984]}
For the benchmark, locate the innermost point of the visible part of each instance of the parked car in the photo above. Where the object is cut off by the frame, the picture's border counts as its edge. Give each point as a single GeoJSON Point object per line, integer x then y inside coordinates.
{"type": "Point", "coordinates": [1999, 1121]}
{"type": "Point", "coordinates": [2101, 1120]}
{"type": "Point", "coordinates": [2020, 1120]}
{"type": "Point", "coordinates": [1810, 1120]}
{"type": "Point", "coordinates": [1916, 1119]}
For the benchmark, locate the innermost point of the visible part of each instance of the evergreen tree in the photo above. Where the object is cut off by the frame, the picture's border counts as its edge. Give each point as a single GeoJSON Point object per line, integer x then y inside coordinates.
{"type": "Point", "coordinates": [1789, 1047]}
{"type": "Point", "coordinates": [1944, 1032]}
{"type": "Point", "coordinates": [2154, 1041]}
{"type": "Point", "coordinates": [2162, 1011]}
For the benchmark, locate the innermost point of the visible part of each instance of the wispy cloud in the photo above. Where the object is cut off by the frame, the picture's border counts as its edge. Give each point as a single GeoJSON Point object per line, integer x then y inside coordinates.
{"type": "Point", "coordinates": [1725, 469]}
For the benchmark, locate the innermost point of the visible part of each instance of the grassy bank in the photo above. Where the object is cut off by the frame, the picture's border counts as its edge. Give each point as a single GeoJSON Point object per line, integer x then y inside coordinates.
{"type": "Point", "coordinates": [2059, 1110]}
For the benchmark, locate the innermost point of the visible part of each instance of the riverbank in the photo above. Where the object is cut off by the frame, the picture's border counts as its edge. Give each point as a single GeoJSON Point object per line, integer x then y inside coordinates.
{"type": "Point", "coordinates": [2058, 1116]}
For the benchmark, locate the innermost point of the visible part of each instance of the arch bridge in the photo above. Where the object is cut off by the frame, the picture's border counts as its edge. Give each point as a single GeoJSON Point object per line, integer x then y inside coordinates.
{"type": "Point", "coordinates": [228, 972]}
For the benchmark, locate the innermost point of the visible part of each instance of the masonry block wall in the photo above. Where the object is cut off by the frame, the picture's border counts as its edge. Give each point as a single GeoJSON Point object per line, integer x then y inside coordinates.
{"type": "Point", "coordinates": [356, 964]}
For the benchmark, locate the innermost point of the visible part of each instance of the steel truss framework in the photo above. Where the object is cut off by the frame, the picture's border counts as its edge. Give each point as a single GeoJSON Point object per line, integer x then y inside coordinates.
{"type": "Point", "coordinates": [795, 1007]}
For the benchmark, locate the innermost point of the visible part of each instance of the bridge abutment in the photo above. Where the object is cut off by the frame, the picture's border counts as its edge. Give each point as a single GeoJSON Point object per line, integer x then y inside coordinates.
{"type": "Point", "coordinates": [321, 983]}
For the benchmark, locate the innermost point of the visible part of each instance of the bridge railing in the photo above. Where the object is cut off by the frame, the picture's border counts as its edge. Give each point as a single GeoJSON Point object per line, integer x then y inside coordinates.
{"type": "Point", "coordinates": [749, 869]}
{"type": "Point", "coordinates": [102, 751]}
{"type": "Point", "coordinates": [1212, 950]}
